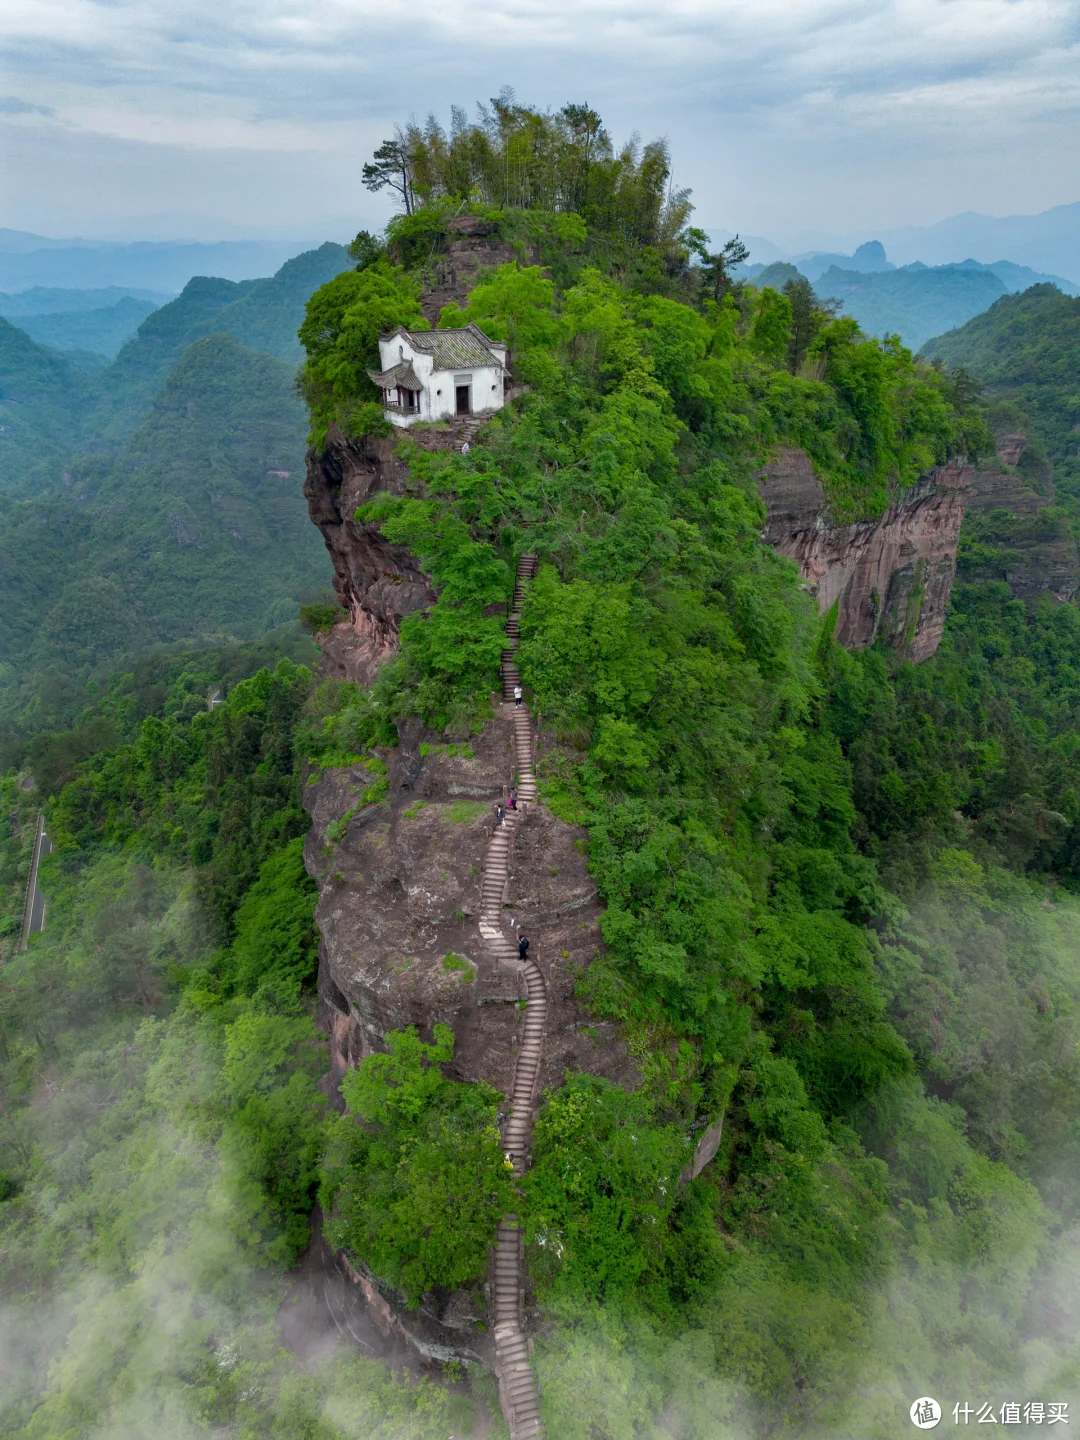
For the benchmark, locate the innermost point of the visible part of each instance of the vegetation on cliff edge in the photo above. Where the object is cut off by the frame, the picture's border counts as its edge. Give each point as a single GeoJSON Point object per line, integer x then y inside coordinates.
{"type": "Point", "coordinates": [876, 1219]}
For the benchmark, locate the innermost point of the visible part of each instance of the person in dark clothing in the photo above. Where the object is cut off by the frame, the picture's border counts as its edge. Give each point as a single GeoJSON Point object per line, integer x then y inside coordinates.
{"type": "Point", "coordinates": [513, 799]}
{"type": "Point", "coordinates": [523, 948]}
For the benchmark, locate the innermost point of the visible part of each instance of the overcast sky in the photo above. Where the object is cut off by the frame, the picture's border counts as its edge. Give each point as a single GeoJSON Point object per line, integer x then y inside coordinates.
{"type": "Point", "coordinates": [795, 119]}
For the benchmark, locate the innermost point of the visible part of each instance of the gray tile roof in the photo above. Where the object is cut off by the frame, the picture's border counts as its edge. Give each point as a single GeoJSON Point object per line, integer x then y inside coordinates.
{"type": "Point", "coordinates": [400, 374]}
{"type": "Point", "coordinates": [462, 349]}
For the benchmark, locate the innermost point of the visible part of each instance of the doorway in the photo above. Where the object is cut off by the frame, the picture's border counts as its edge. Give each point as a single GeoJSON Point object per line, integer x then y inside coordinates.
{"type": "Point", "coordinates": [464, 396]}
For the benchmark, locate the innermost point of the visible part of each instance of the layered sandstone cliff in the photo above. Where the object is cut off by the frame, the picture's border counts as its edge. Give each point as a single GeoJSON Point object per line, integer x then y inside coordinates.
{"type": "Point", "coordinates": [890, 578]}
{"type": "Point", "coordinates": [1013, 533]}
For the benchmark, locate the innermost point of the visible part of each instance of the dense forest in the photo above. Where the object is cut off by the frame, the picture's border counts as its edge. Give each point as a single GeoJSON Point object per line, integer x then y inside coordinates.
{"type": "Point", "coordinates": [840, 896]}
{"type": "Point", "coordinates": [156, 501]}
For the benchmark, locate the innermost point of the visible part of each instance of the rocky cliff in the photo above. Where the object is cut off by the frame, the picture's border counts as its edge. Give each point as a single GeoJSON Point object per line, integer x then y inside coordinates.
{"type": "Point", "coordinates": [1012, 531]}
{"type": "Point", "coordinates": [890, 578]}
{"type": "Point", "coordinates": [377, 583]}
{"type": "Point", "coordinates": [400, 883]}
{"type": "Point", "coordinates": [401, 862]}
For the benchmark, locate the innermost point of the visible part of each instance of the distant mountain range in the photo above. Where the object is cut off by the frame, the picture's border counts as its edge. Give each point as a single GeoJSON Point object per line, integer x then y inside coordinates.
{"type": "Point", "coordinates": [1047, 243]}
{"type": "Point", "coordinates": [28, 260]}
{"type": "Point", "coordinates": [914, 301]}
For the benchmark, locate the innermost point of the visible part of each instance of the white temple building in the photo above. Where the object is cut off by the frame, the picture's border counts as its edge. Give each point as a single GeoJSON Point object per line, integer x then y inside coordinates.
{"type": "Point", "coordinates": [440, 374]}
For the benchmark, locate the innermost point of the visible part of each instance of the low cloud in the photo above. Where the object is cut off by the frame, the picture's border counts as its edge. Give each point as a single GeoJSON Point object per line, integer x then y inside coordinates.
{"type": "Point", "coordinates": [12, 105]}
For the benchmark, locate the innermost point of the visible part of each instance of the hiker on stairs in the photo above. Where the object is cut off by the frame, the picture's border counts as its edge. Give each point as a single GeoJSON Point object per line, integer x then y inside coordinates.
{"type": "Point", "coordinates": [523, 947]}
{"type": "Point", "coordinates": [517, 697]}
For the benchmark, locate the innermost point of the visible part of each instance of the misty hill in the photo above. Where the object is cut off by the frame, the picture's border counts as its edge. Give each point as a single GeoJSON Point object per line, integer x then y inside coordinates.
{"type": "Point", "coordinates": [915, 301]}
{"type": "Point", "coordinates": [49, 408]}
{"type": "Point", "coordinates": [101, 332]}
{"type": "Point", "coordinates": [1026, 349]}
{"type": "Point", "coordinates": [155, 265]}
{"type": "Point", "coordinates": [43, 402]}
{"type": "Point", "coordinates": [1048, 241]}
{"type": "Point", "coordinates": [50, 300]}
{"type": "Point", "coordinates": [160, 499]}
{"type": "Point", "coordinates": [264, 314]}
{"type": "Point", "coordinates": [912, 302]}
{"type": "Point", "coordinates": [869, 257]}
{"type": "Point", "coordinates": [199, 528]}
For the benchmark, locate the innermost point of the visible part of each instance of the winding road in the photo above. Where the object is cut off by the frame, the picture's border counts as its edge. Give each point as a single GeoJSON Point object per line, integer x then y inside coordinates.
{"type": "Point", "coordinates": [34, 907]}
{"type": "Point", "coordinates": [517, 1383]}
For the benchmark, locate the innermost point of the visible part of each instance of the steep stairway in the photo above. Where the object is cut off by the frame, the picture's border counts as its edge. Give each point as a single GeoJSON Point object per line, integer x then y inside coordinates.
{"type": "Point", "coordinates": [517, 1383]}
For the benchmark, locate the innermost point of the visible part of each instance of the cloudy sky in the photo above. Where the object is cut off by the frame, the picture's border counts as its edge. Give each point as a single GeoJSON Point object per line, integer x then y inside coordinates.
{"type": "Point", "coordinates": [796, 119]}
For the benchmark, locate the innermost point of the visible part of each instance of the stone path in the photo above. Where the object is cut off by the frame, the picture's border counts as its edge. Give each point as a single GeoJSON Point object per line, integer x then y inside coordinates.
{"type": "Point", "coordinates": [517, 1384]}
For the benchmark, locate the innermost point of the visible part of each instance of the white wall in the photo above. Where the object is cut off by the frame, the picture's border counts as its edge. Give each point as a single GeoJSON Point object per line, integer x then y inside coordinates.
{"type": "Point", "coordinates": [438, 399]}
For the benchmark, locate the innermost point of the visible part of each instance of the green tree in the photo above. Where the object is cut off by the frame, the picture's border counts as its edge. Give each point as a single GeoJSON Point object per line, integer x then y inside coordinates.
{"type": "Point", "coordinates": [418, 1189]}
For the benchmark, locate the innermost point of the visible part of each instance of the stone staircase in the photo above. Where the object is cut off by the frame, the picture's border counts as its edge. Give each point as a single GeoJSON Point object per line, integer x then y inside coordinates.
{"type": "Point", "coordinates": [451, 435]}
{"type": "Point", "coordinates": [517, 1384]}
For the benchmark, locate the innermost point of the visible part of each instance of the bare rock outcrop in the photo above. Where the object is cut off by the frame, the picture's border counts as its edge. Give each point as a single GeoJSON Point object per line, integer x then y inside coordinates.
{"type": "Point", "coordinates": [400, 883]}
{"type": "Point", "coordinates": [377, 583]}
{"type": "Point", "coordinates": [891, 577]}
{"type": "Point", "coordinates": [473, 246]}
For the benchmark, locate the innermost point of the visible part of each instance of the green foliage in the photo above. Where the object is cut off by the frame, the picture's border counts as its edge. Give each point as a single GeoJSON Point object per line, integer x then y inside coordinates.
{"type": "Point", "coordinates": [602, 1193]}
{"type": "Point", "coordinates": [514, 305]}
{"type": "Point", "coordinates": [516, 158]}
{"type": "Point", "coordinates": [975, 749]}
{"type": "Point", "coordinates": [458, 965]}
{"type": "Point", "coordinates": [217, 789]}
{"type": "Point", "coordinates": [321, 615]}
{"type": "Point", "coordinates": [173, 479]}
{"type": "Point", "coordinates": [1025, 350]}
{"type": "Point", "coordinates": [340, 333]}
{"type": "Point", "coordinates": [419, 1187]}
{"type": "Point", "coordinates": [465, 812]}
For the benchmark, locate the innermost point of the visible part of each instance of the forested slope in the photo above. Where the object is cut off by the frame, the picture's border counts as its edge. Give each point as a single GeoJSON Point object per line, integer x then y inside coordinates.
{"type": "Point", "coordinates": [839, 898]}
{"type": "Point", "coordinates": [1026, 349]}
{"type": "Point", "coordinates": [825, 912]}
{"type": "Point", "coordinates": [159, 500]}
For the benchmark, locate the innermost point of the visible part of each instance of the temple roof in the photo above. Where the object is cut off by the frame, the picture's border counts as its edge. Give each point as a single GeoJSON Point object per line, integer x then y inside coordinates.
{"type": "Point", "coordinates": [458, 349]}
{"type": "Point", "coordinates": [402, 374]}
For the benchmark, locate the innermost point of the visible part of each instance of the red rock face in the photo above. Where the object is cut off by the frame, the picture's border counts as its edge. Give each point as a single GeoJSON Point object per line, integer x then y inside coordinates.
{"type": "Point", "coordinates": [1011, 447]}
{"type": "Point", "coordinates": [376, 582]}
{"type": "Point", "coordinates": [891, 577]}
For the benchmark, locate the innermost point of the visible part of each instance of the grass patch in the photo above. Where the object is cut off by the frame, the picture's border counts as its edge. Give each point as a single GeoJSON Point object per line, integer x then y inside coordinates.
{"type": "Point", "coordinates": [412, 811]}
{"type": "Point", "coordinates": [457, 964]}
{"type": "Point", "coordinates": [335, 830]}
{"type": "Point", "coordinates": [464, 812]}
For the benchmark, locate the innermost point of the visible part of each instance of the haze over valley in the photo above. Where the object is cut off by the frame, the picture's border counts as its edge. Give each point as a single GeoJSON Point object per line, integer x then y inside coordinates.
{"type": "Point", "coordinates": [539, 721]}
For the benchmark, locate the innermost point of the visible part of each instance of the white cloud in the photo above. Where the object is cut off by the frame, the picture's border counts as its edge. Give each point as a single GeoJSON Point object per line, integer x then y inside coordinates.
{"type": "Point", "coordinates": [803, 95]}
